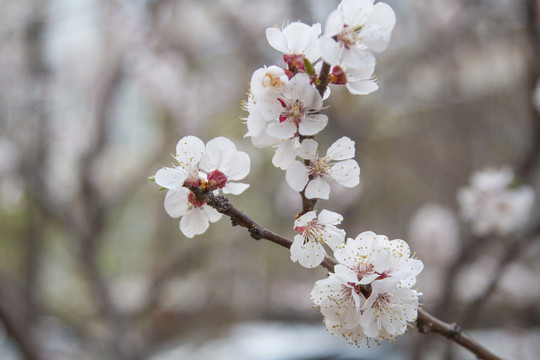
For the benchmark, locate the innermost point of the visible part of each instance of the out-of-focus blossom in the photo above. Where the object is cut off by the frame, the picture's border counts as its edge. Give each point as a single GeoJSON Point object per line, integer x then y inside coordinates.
{"type": "Point", "coordinates": [493, 205]}
{"type": "Point", "coordinates": [434, 234]}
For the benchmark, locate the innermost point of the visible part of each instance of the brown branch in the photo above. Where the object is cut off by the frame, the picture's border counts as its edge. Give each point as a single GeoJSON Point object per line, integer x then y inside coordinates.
{"type": "Point", "coordinates": [531, 158]}
{"type": "Point", "coordinates": [14, 316]}
{"type": "Point", "coordinates": [426, 322]}
{"type": "Point", "coordinates": [322, 81]}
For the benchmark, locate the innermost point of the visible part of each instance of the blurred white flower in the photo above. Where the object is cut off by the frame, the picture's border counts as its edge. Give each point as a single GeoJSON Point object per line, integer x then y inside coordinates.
{"type": "Point", "coordinates": [493, 205]}
{"type": "Point", "coordinates": [434, 234]}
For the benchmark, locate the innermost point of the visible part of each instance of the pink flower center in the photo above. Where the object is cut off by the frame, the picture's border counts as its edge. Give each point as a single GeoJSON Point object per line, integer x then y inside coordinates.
{"type": "Point", "coordinates": [293, 110]}
{"type": "Point", "coordinates": [337, 76]}
{"type": "Point", "coordinates": [295, 62]}
{"type": "Point", "coordinates": [217, 179]}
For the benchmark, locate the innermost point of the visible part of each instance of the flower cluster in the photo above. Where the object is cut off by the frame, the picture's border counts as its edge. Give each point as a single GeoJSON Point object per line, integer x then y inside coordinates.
{"type": "Point", "coordinates": [369, 293]}
{"type": "Point", "coordinates": [213, 167]}
{"type": "Point", "coordinates": [284, 102]}
{"type": "Point", "coordinates": [493, 203]}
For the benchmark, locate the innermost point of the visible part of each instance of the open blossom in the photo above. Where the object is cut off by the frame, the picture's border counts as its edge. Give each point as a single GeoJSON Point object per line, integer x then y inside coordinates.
{"type": "Point", "coordinates": [369, 294]}
{"type": "Point", "coordinates": [492, 205]}
{"type": "Point", "coordinates": [307, 247]}
{"type": "Point", "coordinates": [388, 311]}
{"type": "Point", "coordinates": [353, 29]}
{"type": "Point", "coordinates": [337, 165]}
{"type": "Point", "coordinates": [296, 41]}
{"type": "Point", "coordinates": [281, 117]}
{"type": "Point", "coordinates": [216, 166]}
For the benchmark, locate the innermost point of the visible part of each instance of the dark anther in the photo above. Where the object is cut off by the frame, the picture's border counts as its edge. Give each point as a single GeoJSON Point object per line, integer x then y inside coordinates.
{"type": "Point", "coordinates": [255, 232]}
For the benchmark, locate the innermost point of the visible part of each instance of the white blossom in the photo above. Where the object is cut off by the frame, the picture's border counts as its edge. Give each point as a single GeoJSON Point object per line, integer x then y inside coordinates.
{"type": "Point", "coordinates": [337, 165]}
{"type": "Point", "coordinates": [355, 27]}
{"type": "Point", "coordinates": [492, 205]}
{"type": "Point", "coordinates": [216, 166]}
{"type": "Point", "coordinates": [388, 310]}
{"type": "Point", "coordinates": [296, 39]}
{"type": "Point", "coordinates": [314, 230]}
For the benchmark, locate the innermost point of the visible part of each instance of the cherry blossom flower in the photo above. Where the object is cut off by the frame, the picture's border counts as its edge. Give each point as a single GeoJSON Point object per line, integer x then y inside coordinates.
{"type": "Point", "coordinates": [493, 205]}
{"type": "Point", "coordinates": [296, 41]}
{"type": "Point", "coordinates": [339, 297]}
{"type": "Point", "coordinates": [358, 80]}
{"type": "Point", "coordinates": [388, 310]}
{"type": "Point", "coordinates": [297, 111]}
{"type": "Point", "coordinates": [279, 118]}
{"type": "Point", "coordinates": [216, 166]}
{"type": "Point", "coordinates": [355, 27]}
{"type": "Point", "coordinates": [337, 165]}
{"type": "Point", "coordinates": [307, 247]}
{"type": "Point", "coordinates": [195, 216]}
{"type": "Point", "coordinates": [268, 82]}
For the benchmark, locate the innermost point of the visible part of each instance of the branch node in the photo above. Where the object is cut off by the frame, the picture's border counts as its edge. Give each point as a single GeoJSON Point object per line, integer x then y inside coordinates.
{"type": "Point", "coordinates": [255, 232]}
{"type": "Point", "coordinates": [220, 203]}
{"type": "Point", "coordinates": [454, 331]}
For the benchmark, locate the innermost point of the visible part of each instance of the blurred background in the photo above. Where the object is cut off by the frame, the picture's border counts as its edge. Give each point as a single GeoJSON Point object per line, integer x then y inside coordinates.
{"type": "Point", "coordinates": [94, 95]}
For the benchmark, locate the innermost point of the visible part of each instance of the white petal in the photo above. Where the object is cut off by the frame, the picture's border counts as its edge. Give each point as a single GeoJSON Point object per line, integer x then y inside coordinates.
{"type": "Point", "coordinates": [362, 87]}
{"type": "Point", "coordinates": [309, 255]}
{"type": "Point", "coordinates": [334, 237]}
{"type": "Point", "coordinates": [285, 154]}
{"type": "Point", "coordinates": [297, 175]}
{"type": "Point", "coordinates": [276, 39]}
{"type": "Point", "coordinates": [234, 188]}
{"type": "Point", "coordinates": [176, 202]}
{"type": "Point", "coordinates": [308, 149]}
{"type": "Point", "coordinates": [376, 32]}
{"type": "Point", "coordinates": [170, 178]}
{"type": "Point", "coordinates": [312, 124]}
{"type": "Point", "coordinates": [256, 124]}
{"type": "Point", "coordinates": [341, 149]}
{"type": "Point", "coordinates": [317, 189]}
{"type": "Point", "coordinates": [212, 214]}
{"type": "Point", "coordinates": [189, 150]}
{"type": "Point", "coordinates": [327, 217]}
{"type": "Point", "coordinates": [331, 50]}
{"type": "Point", "coordinates": [334, 24]}
{"type": "Point", "coordinates": [355, 12]}
{"type": "Point", "coordinates": [194, 222]}
{"type": "Point", "coordinates": [237, 167]}
{"type": "Point", "coordinates": [346, 172]}
{"type": "Point", "coordinates": [299, 37]}
{"type": "Point", "coordinates": [219, 151]}
{"type": "Point", "coordinates": [283, 130]}
{"type": "Point", "coordinates": [305, 219]}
